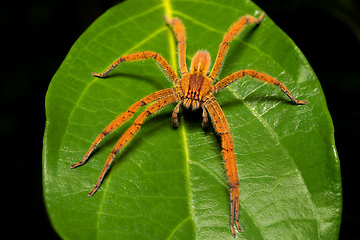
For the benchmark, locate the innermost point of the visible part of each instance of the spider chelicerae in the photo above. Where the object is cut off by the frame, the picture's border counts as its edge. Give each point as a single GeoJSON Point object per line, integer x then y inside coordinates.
{"type": "Point", "coordinates": [194, 89]}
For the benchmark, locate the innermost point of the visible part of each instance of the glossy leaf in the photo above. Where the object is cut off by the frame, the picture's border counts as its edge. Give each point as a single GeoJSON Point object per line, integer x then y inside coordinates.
{"type": "Point", "coordinates": [169, 183]}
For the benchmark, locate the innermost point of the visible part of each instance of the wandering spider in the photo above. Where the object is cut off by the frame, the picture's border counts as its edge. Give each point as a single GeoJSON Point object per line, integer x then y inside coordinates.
{"type": "Point", "coordinates": [193, 89]}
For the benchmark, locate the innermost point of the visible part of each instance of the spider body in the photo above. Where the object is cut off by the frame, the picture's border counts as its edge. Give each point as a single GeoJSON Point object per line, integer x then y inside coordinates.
{"type": "Point", "coordinates": [194, 89]}
{"type": "Point", "coordinates": [196, 86]}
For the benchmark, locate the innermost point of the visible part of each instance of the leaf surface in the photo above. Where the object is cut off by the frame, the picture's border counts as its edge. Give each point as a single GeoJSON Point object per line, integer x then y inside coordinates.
{"type": "Point", "coordinates": [169, 183]}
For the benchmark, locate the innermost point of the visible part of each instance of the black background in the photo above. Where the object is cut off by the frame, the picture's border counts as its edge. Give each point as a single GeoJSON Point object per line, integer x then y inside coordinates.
{"type": "Point", "coordinates": [36, 36]}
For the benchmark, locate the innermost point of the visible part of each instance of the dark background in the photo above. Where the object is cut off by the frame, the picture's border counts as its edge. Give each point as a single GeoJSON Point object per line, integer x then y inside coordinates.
{"type": "Point", "coordinates": [36, 36]}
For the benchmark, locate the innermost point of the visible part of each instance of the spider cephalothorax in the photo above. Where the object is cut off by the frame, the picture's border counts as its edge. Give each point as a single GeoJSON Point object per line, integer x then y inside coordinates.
{"type": "Point", "coordinates": [193, 89]}
{"type": "Point", "coordinates": [196, 86]}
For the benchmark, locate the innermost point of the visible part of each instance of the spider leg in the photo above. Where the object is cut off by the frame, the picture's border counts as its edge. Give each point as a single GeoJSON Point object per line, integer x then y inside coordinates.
{"type": "Point", "coordinates": [138, 56]}
{"type": "Point", "coordinates": [234, 30]}
{"type": "Point", "coordinates": [204, 116]}
{"type": "Point", "coordinates": [122, 118]}
{"type": "Point", "coordinates": [222, 128]}
{"type": "Point", "coordinates": [130, 132]}
{"type": "Point", "coordinates": [261, 76]}
{"type": "Point", "coordinates": [175, 113]}
{"type": "Point", "coordinates": [179, 32]}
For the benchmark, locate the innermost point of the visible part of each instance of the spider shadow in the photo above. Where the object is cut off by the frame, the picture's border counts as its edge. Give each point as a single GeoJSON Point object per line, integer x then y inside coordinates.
{"type": "Point", "coordinates": [111, 139]}
{"type": "Point", "coordinates": [194, 119]}
{"type": "Point", "coordinates": [154, 81]}
{"type": "Point", "coordinates": [237, 45]}
{"type": "Point", "coordinates": [263, 99]}
{"type": "Point", "coordinates": [255, 99]}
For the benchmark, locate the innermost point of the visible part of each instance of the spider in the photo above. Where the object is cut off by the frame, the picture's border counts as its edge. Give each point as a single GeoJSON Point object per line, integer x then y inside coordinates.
{"type": "Point", "coordinates": [194, 89]}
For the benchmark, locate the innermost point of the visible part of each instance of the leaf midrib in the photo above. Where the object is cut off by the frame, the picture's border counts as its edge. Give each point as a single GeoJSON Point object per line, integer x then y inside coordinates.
{"type": "Point", "coordinates": [173, 63]}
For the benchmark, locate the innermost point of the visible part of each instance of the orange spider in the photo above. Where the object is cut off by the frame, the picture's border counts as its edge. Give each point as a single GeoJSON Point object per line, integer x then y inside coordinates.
{"type": "Point", "coordinates": [194, 90]}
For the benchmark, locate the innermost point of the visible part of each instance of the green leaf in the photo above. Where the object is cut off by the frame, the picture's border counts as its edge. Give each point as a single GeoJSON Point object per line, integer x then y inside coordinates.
{"type": "Point", "coordinates": [170, 183]}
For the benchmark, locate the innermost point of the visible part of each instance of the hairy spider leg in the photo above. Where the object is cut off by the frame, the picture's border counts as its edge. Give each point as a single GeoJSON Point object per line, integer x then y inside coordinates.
{"type": "Point", "coordinates": [130, 132]}
{"type": "Point", "coordinates": [234, 30]}
{"type": "Point", "coordinates": [117, 122]}
{"type": "Point", "coordinates": [204, 116]}
{"type": "Point", "coordinates": [175, 115]}
{"type": "Point", "coordinates": [179, 32]}
{"type": "Point", "coordinates": [142, 55]}
{"type": "Point", "coordinates": [222, 128]}
{"type": "Point", "coordinates": [261, 76]}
